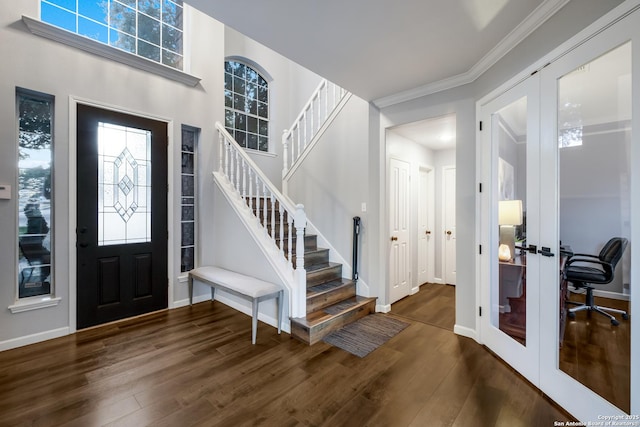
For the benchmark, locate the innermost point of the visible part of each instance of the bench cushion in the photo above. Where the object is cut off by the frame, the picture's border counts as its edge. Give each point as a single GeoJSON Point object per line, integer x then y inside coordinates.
{"type": "Point", "coordinates": [246, 285]}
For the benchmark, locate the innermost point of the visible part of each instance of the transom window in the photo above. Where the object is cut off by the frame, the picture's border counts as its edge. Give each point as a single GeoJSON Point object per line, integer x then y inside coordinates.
{"type": "Point", "coordinates": [152, 29]}
{"type": "Point", "coordinates": [246, 98]}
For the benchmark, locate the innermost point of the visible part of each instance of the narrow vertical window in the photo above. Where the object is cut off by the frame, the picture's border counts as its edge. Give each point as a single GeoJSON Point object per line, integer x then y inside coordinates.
{"type": "Point", "coordinates": [35, 198]}
{"type": "Point", "coordinates": [246, 100]}
{"type": "Point", "coordinates": [188, 204]}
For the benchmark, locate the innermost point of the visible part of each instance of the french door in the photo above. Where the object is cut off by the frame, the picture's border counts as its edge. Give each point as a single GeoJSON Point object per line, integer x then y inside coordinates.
{"type": "Point", "coordinates": [121, 216]}
{"type": "Point", "coordinates": [511, 295]}
{"type": "Point", "coordinates": [560, 166]}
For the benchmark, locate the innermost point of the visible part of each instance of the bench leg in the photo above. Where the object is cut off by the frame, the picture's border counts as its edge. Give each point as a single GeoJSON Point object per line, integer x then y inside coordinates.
{"type": "Point", "coordinates": [280, 299]}
{"type": "Point", "coordinates": [190, 282]}
{"type": "Point", "coordinates": [254, 321]}
{"type": "Point", "coordinates": [213, 293]}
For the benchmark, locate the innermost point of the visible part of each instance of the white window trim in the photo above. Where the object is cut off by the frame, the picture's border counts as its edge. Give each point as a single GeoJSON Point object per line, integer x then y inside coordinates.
{"type": "Point", "coordinates": [34, 303]}
{"type": "Point", "coordinates": [52, 32]}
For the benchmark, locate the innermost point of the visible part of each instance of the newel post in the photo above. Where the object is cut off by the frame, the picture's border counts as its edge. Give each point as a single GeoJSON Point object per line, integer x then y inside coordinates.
{"type": "Point", "coordinates": [285, 153]}
{"type": "Point", "coordinates": [300, 223]}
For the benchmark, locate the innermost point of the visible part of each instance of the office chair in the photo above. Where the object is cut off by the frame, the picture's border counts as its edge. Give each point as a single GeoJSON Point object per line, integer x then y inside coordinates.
{"type": "Point", "coordinates": [584, 269]}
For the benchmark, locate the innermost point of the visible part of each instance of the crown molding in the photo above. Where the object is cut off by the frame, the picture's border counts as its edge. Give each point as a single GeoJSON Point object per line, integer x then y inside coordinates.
{"type": "Point", "coordinates": [533, 21]}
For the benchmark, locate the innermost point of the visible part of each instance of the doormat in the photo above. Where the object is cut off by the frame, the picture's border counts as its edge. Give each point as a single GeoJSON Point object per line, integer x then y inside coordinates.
{"type": "Point", "coordinates": [365, 335]}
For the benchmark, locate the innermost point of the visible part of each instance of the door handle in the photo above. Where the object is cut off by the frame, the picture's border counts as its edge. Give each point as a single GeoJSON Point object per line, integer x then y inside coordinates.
{"type": "Point", "coordinates": [394, 238]}
{"type": "Point", "coordinates": [427, 232]}
{"type": "Point", "coordinates": [544, 251]}
{"type": "Point", "coordinates": [83, 245]}
{"type": "Point", "coordinates": [448, 232]}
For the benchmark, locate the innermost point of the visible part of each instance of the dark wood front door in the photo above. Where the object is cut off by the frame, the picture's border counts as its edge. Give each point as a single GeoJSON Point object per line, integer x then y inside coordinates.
{"type": "Point", "coordinates": [121, 234]}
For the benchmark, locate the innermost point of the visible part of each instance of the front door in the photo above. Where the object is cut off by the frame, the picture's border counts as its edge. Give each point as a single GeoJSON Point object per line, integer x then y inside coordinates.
{"type": "Point", "coordinates": [400, 222]}
{"type": "Point", "coordinates": [121, 216]}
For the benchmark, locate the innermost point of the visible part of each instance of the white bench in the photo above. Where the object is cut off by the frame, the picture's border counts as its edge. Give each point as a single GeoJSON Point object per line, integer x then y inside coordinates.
{"type": "Point", "coordinates": [247, 287]}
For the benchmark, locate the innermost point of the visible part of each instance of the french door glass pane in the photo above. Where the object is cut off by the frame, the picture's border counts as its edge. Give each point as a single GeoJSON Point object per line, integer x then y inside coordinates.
{"type": "Point", "coordinates": [124, 185]}
{"type": "Point", "coordinates": [594, 142]}
{"type": "Point", "coordinates": [510, 138]}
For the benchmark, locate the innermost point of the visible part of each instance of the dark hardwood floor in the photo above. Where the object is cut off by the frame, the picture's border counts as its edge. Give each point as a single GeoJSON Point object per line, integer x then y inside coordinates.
{"type": "Point", "coordinates": [195, 366]}
{"type": "Point", "coordinates": [598, 354]}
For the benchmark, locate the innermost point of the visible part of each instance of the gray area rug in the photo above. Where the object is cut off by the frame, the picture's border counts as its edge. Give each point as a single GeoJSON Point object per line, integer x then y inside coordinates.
{"type": "Point", "coordinates": [365, 335]}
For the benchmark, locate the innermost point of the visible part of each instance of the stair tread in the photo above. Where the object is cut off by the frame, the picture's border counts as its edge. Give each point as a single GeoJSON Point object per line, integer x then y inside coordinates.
{"type": "Point", "coordinates": [333, 311]}
{"type": "Point", "coordinates": [324, 288]}
{"type": "Point", "coordinates": [321, 266]}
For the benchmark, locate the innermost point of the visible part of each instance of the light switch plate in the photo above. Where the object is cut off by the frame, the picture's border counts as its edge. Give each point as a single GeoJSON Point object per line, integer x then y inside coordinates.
{"type": "Point", "coordinates": [5, 191]}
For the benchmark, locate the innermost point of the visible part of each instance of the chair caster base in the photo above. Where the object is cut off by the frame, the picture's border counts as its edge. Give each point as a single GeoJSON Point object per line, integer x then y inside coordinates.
{"type": "Point", "coordinates": [571, 315]}
{"type": "Point", "coordinates": [625, 316]}
{"type": "Point", "coordinates": [614, 322]}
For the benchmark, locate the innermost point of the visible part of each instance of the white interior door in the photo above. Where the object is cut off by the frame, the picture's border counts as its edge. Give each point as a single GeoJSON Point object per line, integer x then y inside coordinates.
{"type": "Point", "coordinates": [399, 233]}
{"type": "Point", "coordinates": [591, 154]}
{"type": "Point", "coordinates": [425, 226]}
{"type": "Point", "coordinates": [510, 286]}
{"type": "Point", "coordinates": [449, 221]}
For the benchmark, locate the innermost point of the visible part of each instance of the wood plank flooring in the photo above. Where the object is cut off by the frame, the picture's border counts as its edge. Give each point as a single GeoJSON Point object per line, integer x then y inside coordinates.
{"type": "Point", "coordinates": [195, 366]}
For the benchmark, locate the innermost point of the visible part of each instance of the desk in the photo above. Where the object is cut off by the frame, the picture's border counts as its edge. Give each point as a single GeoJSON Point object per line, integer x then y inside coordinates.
{"type": "Point", "coordinates": [513, 296]}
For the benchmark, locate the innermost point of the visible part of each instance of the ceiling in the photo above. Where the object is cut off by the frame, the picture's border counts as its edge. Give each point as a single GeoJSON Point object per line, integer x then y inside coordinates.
{"type": "Point", "coordinates": [385, 51]}
{"type": "Point", "coordinates": [438, 133]}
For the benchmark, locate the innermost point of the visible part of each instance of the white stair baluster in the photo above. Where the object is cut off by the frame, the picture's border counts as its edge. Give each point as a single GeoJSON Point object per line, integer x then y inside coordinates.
{"type": "Point", "coordinates": [220, 151]}
{"type": "Point", "coordinates": [227, 148]}
{"type": "Point", "coordinates": [257, 201]}
{"type": "Point", "coordinates": [289, 238]}
{"type": "Point", "coordinates": [244, 180]}
{"type": "Point", "coordinates": [273, 217]}
{"type": "Point", "coordinates": [281, 233]}
{"type": "Point", "coordinates": [285, 151]}
{"type": "Point", "coordinates": [265, 209]}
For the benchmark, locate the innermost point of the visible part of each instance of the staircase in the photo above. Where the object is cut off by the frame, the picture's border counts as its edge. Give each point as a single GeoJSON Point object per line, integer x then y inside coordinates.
{"type": "Point", "coordinates": [331, 299]}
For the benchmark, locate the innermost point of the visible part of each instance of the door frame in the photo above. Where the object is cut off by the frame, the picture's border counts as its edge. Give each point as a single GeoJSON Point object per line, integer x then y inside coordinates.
{"type": "Point", "coordinates": [72, 194]}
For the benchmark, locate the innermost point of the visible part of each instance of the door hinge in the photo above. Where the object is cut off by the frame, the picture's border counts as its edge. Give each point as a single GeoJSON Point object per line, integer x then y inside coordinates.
{"type": "Point", "coordinates": [480, 311]}
{"type": "Point", "coordinates": [479, 249]}
{"type": "Point", "coordinates": [480, 187]}
{"type": "Point", "coordinates": [480, 125]}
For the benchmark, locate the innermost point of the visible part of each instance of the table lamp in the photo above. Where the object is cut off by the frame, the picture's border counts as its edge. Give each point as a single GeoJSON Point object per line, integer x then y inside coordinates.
{"type": "Point", "coordinates": [509, 215]}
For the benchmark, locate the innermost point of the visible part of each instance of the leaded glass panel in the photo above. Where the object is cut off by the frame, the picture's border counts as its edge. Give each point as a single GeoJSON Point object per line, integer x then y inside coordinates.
{"type": "Point", "coordinates": [124, 185]}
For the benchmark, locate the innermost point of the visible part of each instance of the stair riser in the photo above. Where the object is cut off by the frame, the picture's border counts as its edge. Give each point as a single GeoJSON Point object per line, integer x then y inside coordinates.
{"type": "Point", "coordinates": [324, 300]}
{"type": "Point", "coordinates": [315, 257]}
{"type": "Point", "coordinates": [320, 331]}
{"type": "Point", "coordinates": [323, 276]}
{"type": "Point", "coordinates": [310, 244]}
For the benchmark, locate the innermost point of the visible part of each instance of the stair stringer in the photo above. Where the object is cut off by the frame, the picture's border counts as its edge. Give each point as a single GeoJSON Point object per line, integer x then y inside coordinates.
{"type": "Point", "coordinates": [270, 250]}
{"type": "Point", "coordinates": [334, 256]}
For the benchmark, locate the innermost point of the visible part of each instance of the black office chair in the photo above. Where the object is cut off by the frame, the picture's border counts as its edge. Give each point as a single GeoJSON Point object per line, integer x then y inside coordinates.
{"type": "Point", "coordinates": [584, 269]}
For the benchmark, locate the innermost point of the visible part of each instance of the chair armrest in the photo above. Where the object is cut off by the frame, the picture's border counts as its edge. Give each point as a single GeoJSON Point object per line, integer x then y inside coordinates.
{"type": "Point", "coordinates": [590, 260]}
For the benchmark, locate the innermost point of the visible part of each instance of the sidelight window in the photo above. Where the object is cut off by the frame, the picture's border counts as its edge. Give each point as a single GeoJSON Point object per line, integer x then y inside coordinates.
{"type": "Point", "coordinates": [188, 204]}
{"type": "Point", "coordinates": [35, 197]}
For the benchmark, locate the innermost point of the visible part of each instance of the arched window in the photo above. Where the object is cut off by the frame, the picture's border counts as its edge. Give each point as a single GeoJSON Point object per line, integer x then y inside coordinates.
{"type": "Point", "coordinates": [246, 100]}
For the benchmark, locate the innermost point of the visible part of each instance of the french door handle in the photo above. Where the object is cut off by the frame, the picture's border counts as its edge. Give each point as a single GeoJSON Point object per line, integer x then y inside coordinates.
{"type": "Point", "coordinates": [448, 232]}
{"type": "Point", "coordinates": [533, 249]}
{"type": "Point", "coordinates": [427, 232]}
{"type": "Point", "coordinates": [544, 251]}
{"type": "Point", "coordinates": [394, 238]}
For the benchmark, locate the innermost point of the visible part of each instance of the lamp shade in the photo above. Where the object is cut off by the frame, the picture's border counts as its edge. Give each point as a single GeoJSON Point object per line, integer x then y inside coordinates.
{"type": "Point", "coordinates": [510, 212]}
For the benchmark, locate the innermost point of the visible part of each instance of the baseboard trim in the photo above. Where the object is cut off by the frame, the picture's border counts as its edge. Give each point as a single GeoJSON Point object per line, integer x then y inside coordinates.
{"type": "Point", "coordinates": [33, 339]}
{"type": "Point", "coordinates": [380, 308]}
{"type": "Point", "coordinates": [465, 332]}
{"type": "Point", "coordinates": [414, 290]}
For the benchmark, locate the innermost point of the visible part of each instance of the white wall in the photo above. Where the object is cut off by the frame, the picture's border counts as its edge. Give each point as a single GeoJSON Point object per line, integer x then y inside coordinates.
{"type": "Point", "coordinates": [43, 65]}
{"type": "Point", "coordinates": [332, 182]}
{"type": "Point", "coordinates": [290, 87]}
